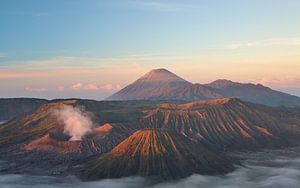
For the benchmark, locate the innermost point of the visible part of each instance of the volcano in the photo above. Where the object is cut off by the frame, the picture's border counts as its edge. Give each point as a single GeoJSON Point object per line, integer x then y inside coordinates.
{"type": "Point", "coordinates": [156, 153]}
{"type": "Point", "coordinates": [220, 125]}
{"type": "Point", "coordinates": [161, 84]}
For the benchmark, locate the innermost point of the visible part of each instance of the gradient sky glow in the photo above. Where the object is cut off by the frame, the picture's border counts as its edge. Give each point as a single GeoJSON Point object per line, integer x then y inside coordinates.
{"type": "Point", "coordinates": [92, 48]}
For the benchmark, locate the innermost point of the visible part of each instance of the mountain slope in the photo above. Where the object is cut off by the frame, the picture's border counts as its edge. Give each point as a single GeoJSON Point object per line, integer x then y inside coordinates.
{"type": "Point", "coordinates": [228, 124]}
{"type": "Point", "coordinates": [13, 107]}
{"type": "Point", "coordinates": [43, 131]}
{"type": "Point", "coordinates": [161, 84]}
{"type": "Point", "coordinates": [253, 93]}
{"type": "Point", "coordinates": [156, 153]}
{"type": "Point", "coordinates": [35, 143]}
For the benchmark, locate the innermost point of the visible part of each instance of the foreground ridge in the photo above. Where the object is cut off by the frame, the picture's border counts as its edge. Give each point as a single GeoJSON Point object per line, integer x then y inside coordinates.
{"type": "Point", "coordinates": [156, 153]}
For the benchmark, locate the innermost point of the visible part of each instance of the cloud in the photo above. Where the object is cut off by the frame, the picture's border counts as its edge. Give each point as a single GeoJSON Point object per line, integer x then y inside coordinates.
{"type": "Point", "coordinates": [163, 7]}
{"type": "Point", "coordinates": [264, 170]}
{"type": "Point", "coordinates": [160, 6]}
{"type": "Point", "coordinates": [81, 86]}
{"type": "Point", "coordinates": [94, 87]}
{"type": "Point", "coordinates": [290, 41]}
{"type": "Point", "coordinates": [60, 88]}
{"type": "Point", "coordinates": [110, 87]}
{"type": "Point", "coordinates": [3, 54]}
{"type": "Point", "coordinates": [79, 64]}
{"type": "Point", "coordinates": [26, 13]}
{"type": "Point", "coordinates": [36, 89]}
{"type": "Point", "coordinates": [42, 73]}
{"type": "Point", "coordinates": [284, 81]}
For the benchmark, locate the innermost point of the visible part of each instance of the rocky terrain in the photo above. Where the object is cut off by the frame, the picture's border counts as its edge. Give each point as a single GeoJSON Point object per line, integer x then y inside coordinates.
{"type": "Point", "coordinates": [38, 140]}
{"type": "Point", "coordinates": [41, 143]}
{"type": "Point", "coordinates": [13, 107]}
{"type": "Point", "coordinates": [229, 123]}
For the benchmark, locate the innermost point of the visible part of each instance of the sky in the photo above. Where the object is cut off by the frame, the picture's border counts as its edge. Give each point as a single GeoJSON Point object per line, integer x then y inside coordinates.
{"type": "Point", "coordinates": [92, 48]}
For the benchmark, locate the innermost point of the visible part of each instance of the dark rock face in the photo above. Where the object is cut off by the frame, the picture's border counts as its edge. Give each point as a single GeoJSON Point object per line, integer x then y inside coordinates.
{"type": "Point", "coordinates": [13, 107]}
{"type": "Point", "coordinates": [59, 136]}
{"type": "Point", "coordinates": [156, 153]}
{"type": "Point", "coordinates": [161, 84]}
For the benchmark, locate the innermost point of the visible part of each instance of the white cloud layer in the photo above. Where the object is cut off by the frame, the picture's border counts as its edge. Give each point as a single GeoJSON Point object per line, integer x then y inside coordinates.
{"type": "Point", "coordinates": [163, 7]}
{"type": "Point", "coordinates": [290, 41]}
{"type": "Point", "coordinates": [285, 81]}
{"type": "Point", "coordinates": [278, 172]}
{"type": "Point", "coordinates": [3, 54]}
{"type": "Point", "coordinates": [94, 87]}
{"type": "Point", "coordinates": [36, 89]}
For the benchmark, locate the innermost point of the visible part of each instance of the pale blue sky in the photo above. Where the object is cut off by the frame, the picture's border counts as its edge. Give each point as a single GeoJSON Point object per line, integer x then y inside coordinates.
{"type": "Point", "coordinates": [37, 35]}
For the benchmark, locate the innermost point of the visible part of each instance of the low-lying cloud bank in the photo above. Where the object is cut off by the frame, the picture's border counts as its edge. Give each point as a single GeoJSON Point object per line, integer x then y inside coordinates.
{"type": "Point", "coordinates": [278, 172]}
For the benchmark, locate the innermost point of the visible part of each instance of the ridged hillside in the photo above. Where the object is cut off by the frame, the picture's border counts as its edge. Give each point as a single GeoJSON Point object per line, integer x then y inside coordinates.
{"type": "Point", "coordinates": [158, 154]}
{"type": "Point", "coordinates": [227, 123]}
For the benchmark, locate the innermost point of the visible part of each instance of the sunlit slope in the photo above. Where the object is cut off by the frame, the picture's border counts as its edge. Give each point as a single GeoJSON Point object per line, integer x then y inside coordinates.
{"type": "Point", "coordinates": [228, 123]}
{"type": "Point", "coordinates": [156, 153]}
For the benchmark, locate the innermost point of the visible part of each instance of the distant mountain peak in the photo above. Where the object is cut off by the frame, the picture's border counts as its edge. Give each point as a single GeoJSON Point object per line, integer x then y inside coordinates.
{"type": "Point", "coordinates": [155, 84]}
{"type": "Point", "coordinates": [161, 75]}
{"type": "Point", "coordinates": [162, 84]}
{"type": "Point", "coordinates": [222, 83]}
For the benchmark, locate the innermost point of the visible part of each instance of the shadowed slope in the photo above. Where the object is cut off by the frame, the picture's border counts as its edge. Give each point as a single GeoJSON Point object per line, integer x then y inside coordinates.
{"type": "Point", "coordinates": [13, 107]}
{"type": "Point", "coordinates": [255, 93]}
{"type": "Point", "coordinates": [156, 153]}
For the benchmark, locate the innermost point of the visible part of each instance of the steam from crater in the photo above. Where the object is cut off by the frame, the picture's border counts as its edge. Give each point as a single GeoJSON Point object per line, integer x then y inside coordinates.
{"type": "Point", "coordinates": [77, 122]}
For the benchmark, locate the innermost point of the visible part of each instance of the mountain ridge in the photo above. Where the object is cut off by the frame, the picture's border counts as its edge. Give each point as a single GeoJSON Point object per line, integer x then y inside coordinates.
{"type": "Point", "coordinates": [161, 84]}
{"type": "Point", "coordinates": [228, 124]}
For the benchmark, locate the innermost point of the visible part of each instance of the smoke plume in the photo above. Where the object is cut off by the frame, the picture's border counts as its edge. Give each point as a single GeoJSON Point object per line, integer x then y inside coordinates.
{"type": "Point", "coordinates": [77, 122]}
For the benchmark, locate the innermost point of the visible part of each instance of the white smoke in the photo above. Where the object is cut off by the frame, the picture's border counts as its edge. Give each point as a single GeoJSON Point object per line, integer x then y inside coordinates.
{"type": "Point", "coordinates": [77, 122]}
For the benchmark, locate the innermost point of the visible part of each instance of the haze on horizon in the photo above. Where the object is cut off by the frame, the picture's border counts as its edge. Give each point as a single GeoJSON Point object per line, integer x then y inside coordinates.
{"type": "Point", "coordinates": [91, 49]}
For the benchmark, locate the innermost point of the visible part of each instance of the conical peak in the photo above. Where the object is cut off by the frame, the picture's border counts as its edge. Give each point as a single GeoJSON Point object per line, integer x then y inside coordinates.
{"type": "Point", "coordinates": [160, 70]}
{"type": "Point", "coordinates": [161, 75]}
